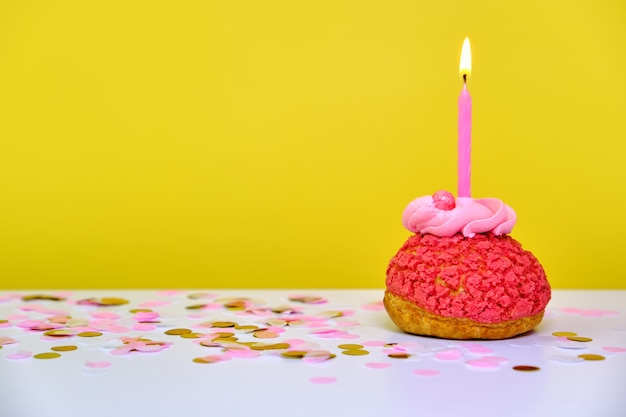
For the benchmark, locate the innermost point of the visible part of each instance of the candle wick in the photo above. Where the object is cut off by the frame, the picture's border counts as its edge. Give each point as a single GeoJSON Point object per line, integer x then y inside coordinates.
{"type": "Point", "coordinates": [464, 78]}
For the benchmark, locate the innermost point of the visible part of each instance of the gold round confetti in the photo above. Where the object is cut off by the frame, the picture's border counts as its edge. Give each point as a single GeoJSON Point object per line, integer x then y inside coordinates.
{"type": "Point", "coordinates": [4, 321]}
{"type": "Point", "coordinates": [36, 297]}
{"type": "Point", "coordinates": [140, 310]}
{"type": "Point", "coordinates": [198, 295]}
{"type": "Point", "coordinates": [399, 355]}
{"type": "Point", "coordinates": [191, 335]}
{"type": "Point", "coordinates": [177, 332]}
{"type": "Point", "coordinates": [47, 355]}
{"type": "Point", "coordinates": [235, 305]}
{"type": "Point", "coordinates": [246, 327]}
{"type": "Point", "coordinates": [526, 368]}
{"type": "Point", "coordinates": [223, 324]}
{"type": "Point", "coordinates": [67, 348]}
{"type": "Point", "coordinates": [564, 334]}
{"type": "Point", "coordinates": [579, 339]}
{"type": "Point", "coordinates": [113, 301]}
{"type": "Point", "coordinates": [196, 307]}
{"type": "Point", "coordinates": [224, 334]}
{"type": "Point", "coordinates": [350, 346]}
{"type": "Point", "coordinates": [269, 346]}
{"type": "Point", "coordinates": [89, 334]}
{"type": "Point", "coordinates": [205, 360]}
{"type": "Point", "coordinates": [591, 357]}
{"type": "Point", "coordinates": [265, 334]}
{"type": "Point", "coordinates": [225, 340]}
{"type": "Point", "coordinates": [210, 343]}
{"type": "Point", "coordinates": [294, 354]}
{"type": "Point", "coordinates": [355, 352]}
{"type": "Point", "coordinates": [59, 333]}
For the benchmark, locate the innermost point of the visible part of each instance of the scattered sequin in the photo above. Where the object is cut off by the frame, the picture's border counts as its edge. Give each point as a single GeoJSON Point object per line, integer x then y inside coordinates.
{"type": "Point", "coordinates": [564, 334]}
{"type": "Point", "coordinates": [591, 357]}
{"type": "Point", "coordinates": [579, 339]}
{"type": "Point", "coordinates": [614, 349]}
{"type": "Point", "coordinates": [426, 372]}
{"type": "Point", "coordinates": [525, 368]}
{"type": "Point", "coordinates": [323, 380]}
{"type": "Point", "coordinates": [378, 365]}
{"type": "Point", "coordinates": [67, 348]}
{"type": "Point", "coordinates": [47, 355]}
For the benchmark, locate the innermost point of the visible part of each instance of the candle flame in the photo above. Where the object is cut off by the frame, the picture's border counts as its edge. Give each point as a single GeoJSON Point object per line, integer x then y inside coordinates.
{"type": "Point", "coordinates": [465, 67]}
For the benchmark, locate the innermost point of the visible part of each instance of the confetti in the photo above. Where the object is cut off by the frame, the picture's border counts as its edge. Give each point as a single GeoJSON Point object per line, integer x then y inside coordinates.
{"type": "Point", "coordinates": [323, 380]}
{"type": "Point", "coordinates": [67, 348]}
{"type": "Point", "coordinates": [47, 355]}
{"type": "Point", "coordinates": [591, 357]}
{"type": "Point", "coordinates": [426, 372]}
{"type": "Point", "coordinates": [98, 365]}
{"type": "Point", "coordinates": [614, 349]}
{"type": "Point", "coordinates": [355, 352]}
{"type": "Point", "coordinates": [20, 354]}
{"type": "Point", "coordinates": [525, 368]}
{"type": "Point", "coordinates": [579, 339]}
{"type": "Point", "coordinates": [565, 358]}
{"type": "Point", "coordinates": [89, 334]}
{"type": "Point", "coordinates": [564, 334]}
{"type": "Point", "coordinates": [378, 365]}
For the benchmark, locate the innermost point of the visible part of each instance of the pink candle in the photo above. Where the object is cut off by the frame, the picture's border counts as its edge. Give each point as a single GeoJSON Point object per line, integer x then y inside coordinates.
{"type": "Point", "coordinates": [465, 125]}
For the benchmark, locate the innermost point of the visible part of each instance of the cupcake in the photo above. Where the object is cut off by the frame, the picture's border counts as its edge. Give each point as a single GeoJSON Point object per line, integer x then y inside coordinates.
{"type": "Point", "coordinates": [460, 275]}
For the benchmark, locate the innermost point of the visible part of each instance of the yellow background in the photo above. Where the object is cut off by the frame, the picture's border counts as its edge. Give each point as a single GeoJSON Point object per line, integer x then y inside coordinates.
{"type": "Point", "coordinates": [276, 143]}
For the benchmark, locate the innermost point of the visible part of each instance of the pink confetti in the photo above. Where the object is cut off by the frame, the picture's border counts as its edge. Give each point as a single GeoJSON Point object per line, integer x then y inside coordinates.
{"type": "Point", "coordinates": [426, 372]}
{"type": "Point", "coordinates": [480, 350]}
{"type": "Point", "coordinates": [98, 365]}
{"type": "Point", "coordinates": [5, 324]}
{"type": "Point", "coordinates": [242, 353]}
{"type": "Point", "coordinates": [449, 355]}
{"type": "Point", "coordinates": [20, 354]}
{"type": "Point", "coordinates": [169, 293]}
{"type": "Point", "coordinates": [323, 380]}
{"type": "Point", "coordinates": [378, 365]}
{"type": "Point", "coordinates": [295, 342]}
{"type": "Point", "coordinates": [144, 327]}
{"type": "Point", "coordinates": [9, 297]}
{"type": "Point", "coordinates": [156, 303]}
{"type": "Point", "coordinates": [6, 340]}
{"type": "Point", "coordinates": [614, 349]}
{"type": "Point", "coordinates": [590, 312]}
{"type": "Point", "coordinates": [483, 363]}
{"type": "Point", "coordinates": [375, 306]}
{"type": "Point", "coordinates": [106, 315]}
{"type": "Point", "coordinates": [348, 323]}
{"type": "Point", "coordinates": [17, 317]}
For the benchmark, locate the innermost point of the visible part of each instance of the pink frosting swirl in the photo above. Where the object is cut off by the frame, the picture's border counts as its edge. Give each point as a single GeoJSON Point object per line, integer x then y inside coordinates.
{"type": "Point", "coordinates": [469, 216]}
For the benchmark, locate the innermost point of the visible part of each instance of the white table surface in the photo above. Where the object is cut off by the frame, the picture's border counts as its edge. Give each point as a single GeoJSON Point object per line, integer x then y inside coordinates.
{"type": "Point", "coordinates": [170, 383]}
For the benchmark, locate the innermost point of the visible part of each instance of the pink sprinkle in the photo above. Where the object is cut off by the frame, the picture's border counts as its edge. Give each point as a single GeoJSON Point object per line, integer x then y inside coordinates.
{"type": "Point", "coordinates": [21, 354]}
{"type": "Point", "coordinates": [323, 380]}
{"type": "Point", "coordinates": [212, 306]}
{"type": "Point", "coordinates": [426, 372]}
{"type": "Point", "coordinates": [614, 349]}
{"type": "Point", "coordinates": [117, 329]}
{"type": "Point", "coordinates": [483, 363]}
{"type": "Point", "coordinates": [378, 365]}
{"type": "Point", "coordinates": [144, 327]}
{"type": "Point", "coordinates": [9, 297]}
{"type": "Point", "coordinates": [98, 365]}
{"type": "Point", "coordinates": [372, 343]}
{"type": "Point", "coordinates": [17, 317]}
{"type": "Point", "coordinates": [32, 307]}
{"type": "Point", "coordinates": [598, 313]}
